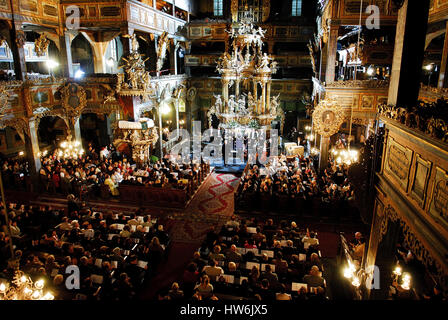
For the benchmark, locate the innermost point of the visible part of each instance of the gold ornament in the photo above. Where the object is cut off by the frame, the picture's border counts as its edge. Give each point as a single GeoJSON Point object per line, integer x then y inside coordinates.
{"type": "Point", "coordinates": [137, 80]}
{"type": "Point", "coordinates": [20, 38]}
{"type": "Point", "coordinates": [41, 45]}
{"type": "Point", "coordinates": [74, 100]}
{"type": "Point", "coordinates": [162, 47]}
{"type": "Point", "coordinates": [4, 96]}
{"type": "Point", "coordinates": [328, 117]}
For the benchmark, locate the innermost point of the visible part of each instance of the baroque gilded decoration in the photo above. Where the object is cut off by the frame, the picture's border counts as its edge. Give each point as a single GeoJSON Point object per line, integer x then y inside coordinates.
{"type": "Point", "coordinates": [19, 124]}
{"type": "Point", "coordinates": [266, 10]}
{"type": "Point", "coordinates": [398, 162]}
{"type": "Point", "coordinates": [41, 45]}
{"type": "Point", "coordinates": [74, 100]}
{"type": "Point", "coordinates": [328, 117]}
{"type": "Point", "coordinates": [20, 38]}
{"type": "Point", "coordinates": [369, 84]}
{"type": "Point", "coordinates": [4, 96]}
{"type": "Point", "coordinates": [234, 10]}
{"type": "Point", "coordinates": [414, 244]}
{"type": "Point", "coordinates": [136, 80]}
{"type": "Point", "coordinates": [429, 118]}
{"type": "Point", "coordinates": [244, 71]}
{"type": "Point", "coordinates": [140, 136]}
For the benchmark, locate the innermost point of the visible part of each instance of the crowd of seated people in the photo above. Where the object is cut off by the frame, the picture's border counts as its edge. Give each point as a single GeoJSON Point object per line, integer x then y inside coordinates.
{"type": "Point", "coordinates": [283, 184]}
{"type": "Point", "coordinates": [15, 173]}
{"type": "Point", "coordinates": [253, 260]}
{"type": "Point", "coordinates": [92, 173]}
{"type": "Point", "coordinates": [115, 253]}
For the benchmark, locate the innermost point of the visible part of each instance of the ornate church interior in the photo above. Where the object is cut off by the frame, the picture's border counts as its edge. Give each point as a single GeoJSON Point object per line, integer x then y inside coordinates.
{"type": "Point", "coordinates": [224, 150]}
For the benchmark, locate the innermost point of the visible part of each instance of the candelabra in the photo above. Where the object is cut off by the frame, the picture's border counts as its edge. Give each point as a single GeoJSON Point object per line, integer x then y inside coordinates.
{"type": "Point", "coordinates": [346, 157]}
{"type": "Point", "coordinates": [71, 149]}
{"type": "Point", "coordinates": [23, 288]}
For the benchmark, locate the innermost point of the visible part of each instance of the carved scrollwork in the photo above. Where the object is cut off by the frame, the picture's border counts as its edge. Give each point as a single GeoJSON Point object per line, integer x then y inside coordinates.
{"type": "Point", "coordinates": [4, 96]}
{"type": "Point", "coordinates": [414, 244]}
{"type": "Point", "coordinates": [43, 112]}
{"type": "Point", "coordinates": [162, 47]}
{"type": "Point", "coordinates": [19, 124]}
{"type": "Point", "coordinates": [368, 84]}
{"type": "Point", "coordinates": [136, 80]}
{"type": "Point", "coordinates": [429, 118]}
{"type": "Point", "coordinates": [20, 38]}
{"type": "Point", "coordinates": [41, 45]}
{"type": "Point", "coordinates": [74, 99]}
{"type": "Point", "coordinates": [266, 10]}
{"type": "Point", "coordinates": [328, 117]}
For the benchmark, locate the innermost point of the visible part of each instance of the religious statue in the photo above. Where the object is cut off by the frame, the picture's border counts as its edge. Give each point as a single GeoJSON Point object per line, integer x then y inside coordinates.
{"type": "Point", "coordinates": [251, 103]}
{"type": "Point", "coordinates": [41, 45]}
{"type": "Point", "coordinates": [232, 104]}
{"type": "Point", "coordinates": [218, 102]}
{"type": "Point", "coordinates": [241, 105]}
{"type": "Point", "coordinates": [265, 61]}
{"type": "Point", "coordinates": [134, 41]}
{"type": "Point", "coordinates": [162, 47]}
{"type": "Point", "coordinates": [274, 105]}
{"type": "Point", "coordinates": [137, 78]}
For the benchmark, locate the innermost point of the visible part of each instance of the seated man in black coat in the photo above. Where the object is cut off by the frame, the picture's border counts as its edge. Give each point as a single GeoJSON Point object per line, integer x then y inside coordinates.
{"type": "Point", "coordinates": [135, 273]}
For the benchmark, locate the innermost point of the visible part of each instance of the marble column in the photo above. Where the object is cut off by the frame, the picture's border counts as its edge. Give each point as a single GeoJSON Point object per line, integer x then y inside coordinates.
{"type": "Point", "coordinates": [408, 53]}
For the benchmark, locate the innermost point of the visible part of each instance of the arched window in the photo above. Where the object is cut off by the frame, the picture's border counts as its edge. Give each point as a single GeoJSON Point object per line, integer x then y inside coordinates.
{"type": "Point", "coordinates": [218, 10]}
{"type": "Point", "coordinates": [296, 8]}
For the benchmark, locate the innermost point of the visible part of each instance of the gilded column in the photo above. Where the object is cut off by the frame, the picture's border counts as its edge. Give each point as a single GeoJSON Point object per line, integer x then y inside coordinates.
{"type": "Point", "coordinates": [237, 88]}
{"type": "Point", "coordinates": [263, 97]}
{"type": "Point", "coordinates": [225, 92]}
{"type": "Point", "coordinates": [256, 96]}
{"type": "Point", "coordinates": [268, 96]}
